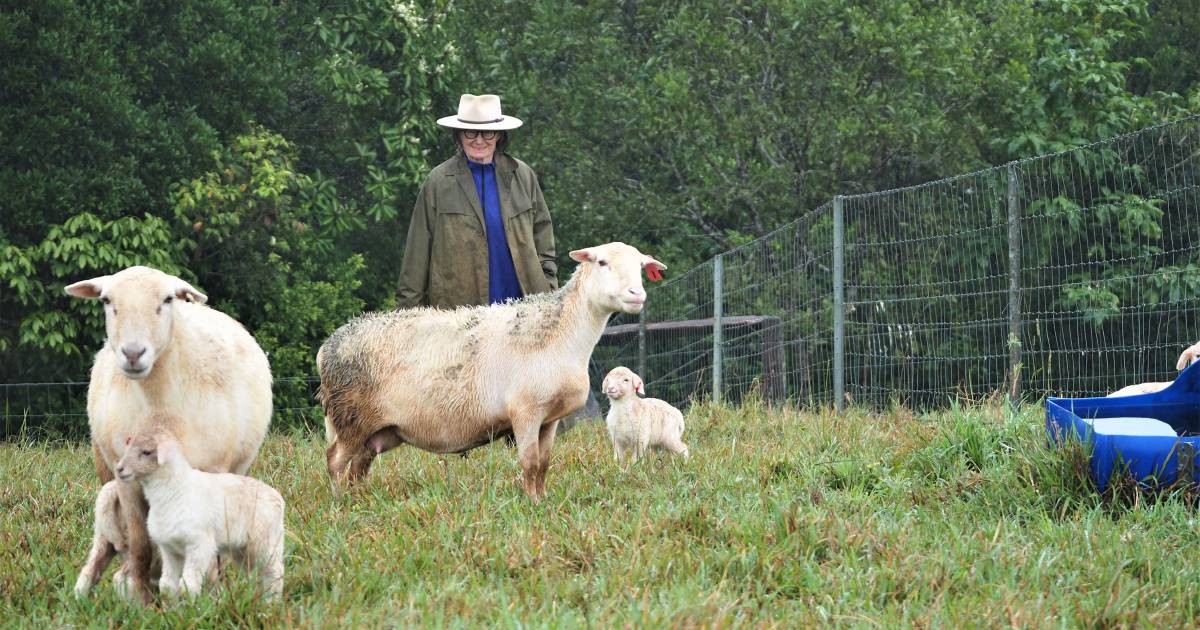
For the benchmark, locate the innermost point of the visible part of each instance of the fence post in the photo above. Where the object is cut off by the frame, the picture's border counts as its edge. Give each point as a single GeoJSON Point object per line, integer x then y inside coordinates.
{"type": "Point", "coordinates": [1014, 285]}
{"type": "Point", "coordinates": [718, 329]}
{"type": "Point", "coordinates": [641, 356]}
{"type": "Point", "coordinates": [839, 311]}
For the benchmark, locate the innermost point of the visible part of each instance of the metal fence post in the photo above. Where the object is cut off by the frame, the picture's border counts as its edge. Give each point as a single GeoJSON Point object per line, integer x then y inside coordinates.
{"type": "Point", "coordinates": [839, 310]}
{"type": "Point", "coordinates": [641, 356]}
{"type": "Point", "coordinates": [718, 312]}
{"type": "Point", "coordinates": [1014, 284]}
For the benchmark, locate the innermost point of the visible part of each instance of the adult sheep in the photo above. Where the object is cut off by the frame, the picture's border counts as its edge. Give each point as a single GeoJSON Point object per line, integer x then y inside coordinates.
{"type": "Point", "coordinates": [447, 381]}
{"type": "Point", "coordinates": [168, 355]}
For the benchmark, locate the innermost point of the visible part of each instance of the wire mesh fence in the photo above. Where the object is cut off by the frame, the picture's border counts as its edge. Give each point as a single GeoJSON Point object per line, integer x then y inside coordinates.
{"type": "Point", "coordinates": [1069, 274]}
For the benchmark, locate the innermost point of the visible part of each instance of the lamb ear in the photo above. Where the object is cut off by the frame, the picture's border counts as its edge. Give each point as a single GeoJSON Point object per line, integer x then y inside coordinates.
{"type": "Point", "coordinates": [185, 291]}
{"type": "Point", "coordinates": [584, 255]}
{"type": "Point", "coordinates": [638, 385]}
{"type": "Point", "coordinates": [167, 449]}
{"type": "Point", "coordinates": [89, 289]}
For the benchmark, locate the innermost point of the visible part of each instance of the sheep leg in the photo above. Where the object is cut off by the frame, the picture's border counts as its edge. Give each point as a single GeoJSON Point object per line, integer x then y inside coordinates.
{"type": "Point", "coordinates": [271, 566]}
{"type": "Point", "coordinates": [336, 462]}
{"type": "Point", "coordinates": [545, 441]}
{"type": "Point", "coordinates": [359, 465]}
{"type": "Point", "coordinates": [528, 455]}
{"type": "Point", "coordinates": [171, 573]}
{"type": "Point", "coordinates": [102, 470]}
{"type": "Point", "coordinates": [137, 561]}
{"type": "Point", "coordinates": [678, 447]}
{"type": "Point", "coordinates": [102, 553]}
{"type": "Point", "coordinates": [197, 565]}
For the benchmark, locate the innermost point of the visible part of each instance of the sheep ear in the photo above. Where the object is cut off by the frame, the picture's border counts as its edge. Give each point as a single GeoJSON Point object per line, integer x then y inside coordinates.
{"type": "Point", "coordinates": [584, 255]}
{"type": "Point", "coordinates": [648, 262]}
{"type": "Point", "coordinates": [167, 449]}
{"type": "Point", "coordinates": [604, 385]}
{"type": "Point", "coordinates": [185, 291]}
{"type": "Point", "coordinates": [638, 385]}
{"type": "Point", "coordinates": [90, 289]}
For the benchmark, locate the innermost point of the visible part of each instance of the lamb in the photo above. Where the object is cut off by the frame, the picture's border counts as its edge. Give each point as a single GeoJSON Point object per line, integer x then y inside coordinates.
{"type": "Point", "coordinates": [169, 358]}
{"type": "Point", "coordinates": [195, 515]}
{"type": "Point", "coordinates": [447, 381]}
{"type": "Point", "coordinates": [1186, 358]}
{"type": "Point", "coordinates": [108, 539]}
{"type": "Point", "coordinates": [636, 424]}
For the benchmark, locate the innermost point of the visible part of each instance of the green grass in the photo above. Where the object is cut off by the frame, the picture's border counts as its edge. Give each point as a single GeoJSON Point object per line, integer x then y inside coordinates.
{"type": "Point", "coordinates": [782, 518]}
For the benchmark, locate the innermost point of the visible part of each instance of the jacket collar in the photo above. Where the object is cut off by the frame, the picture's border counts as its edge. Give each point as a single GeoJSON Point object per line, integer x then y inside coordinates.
{"type": "Point", "coordinates": [505, 167]}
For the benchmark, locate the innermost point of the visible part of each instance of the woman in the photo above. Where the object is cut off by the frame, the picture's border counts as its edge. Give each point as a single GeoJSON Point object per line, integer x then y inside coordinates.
{"type": "Point", "coordinates": [480, 231]}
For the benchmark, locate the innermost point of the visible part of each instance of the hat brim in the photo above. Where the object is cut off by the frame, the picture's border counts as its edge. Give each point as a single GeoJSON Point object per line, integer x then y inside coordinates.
{"type": "Point", "coordinates": [505, 123]}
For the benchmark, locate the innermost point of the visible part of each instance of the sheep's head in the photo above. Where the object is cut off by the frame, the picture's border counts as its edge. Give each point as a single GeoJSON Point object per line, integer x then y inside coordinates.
{"type": "Point", "coordinates": [138, 313]}
{"type": "Point", "coordinates": [146, 453]}
{"type": "Point", "coordinates": [1188, 357]}
{"type": "Point", "coordinates": [615, 281]}
{"type": "Point", "coordinates": [621, 382]}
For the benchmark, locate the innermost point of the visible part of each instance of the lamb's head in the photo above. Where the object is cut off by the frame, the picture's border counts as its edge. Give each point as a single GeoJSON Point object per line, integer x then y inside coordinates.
{"type": "Point", "coordinates": [614, 279]}
{"type": "Point", "coordinates": [621, 382]}
{"type": "Point", "coordinates": [146, 453]}
{"type": "Point", "coordinates": [138, 313]}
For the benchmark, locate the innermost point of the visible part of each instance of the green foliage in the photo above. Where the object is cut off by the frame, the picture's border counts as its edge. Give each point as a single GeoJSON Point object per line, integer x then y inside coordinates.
{"type": "Point", "coordinates": [266, 234]}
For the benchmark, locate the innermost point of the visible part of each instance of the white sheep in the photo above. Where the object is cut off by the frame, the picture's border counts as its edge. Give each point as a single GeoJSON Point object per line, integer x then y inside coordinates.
{"type": "Point", "coordinates": [1186, 358]}
{"type": "Point", "coordinates": [447, 381]}
{"type": "Point", "coordinates": [169, 358]}
{"type": "Point", "coordinates": [195, 515]}
{"type": "Point", "coordinates": [637, 424]}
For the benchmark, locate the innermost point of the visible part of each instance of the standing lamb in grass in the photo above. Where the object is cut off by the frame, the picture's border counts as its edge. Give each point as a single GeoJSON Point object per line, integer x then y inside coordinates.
{"type": "Point", "coordinates": [449, 381]}
{"type": "Point", "coordinates": [1186, 358]}
{"type": "Point", "coordinates": [636, 424]}
{"type": "Point", "coordinates": [195, 515]}
{"type": "Point", "coordinates": [168, 358]}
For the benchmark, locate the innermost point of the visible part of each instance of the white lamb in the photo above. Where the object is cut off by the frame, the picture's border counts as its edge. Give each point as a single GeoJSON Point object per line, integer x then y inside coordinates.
{"type": "Point", "coordinates": [450, 381]}
{"type": "Point", "coordinates": [170, 362]}
{"type": "Point", "coordinates": [195, 515]}
{"type": "Point", "coordinates": [108, 539]}
{"type": "Point", "coordinates": [1186, 358]}
{"type": "Point", "coordinates": [636, 424]}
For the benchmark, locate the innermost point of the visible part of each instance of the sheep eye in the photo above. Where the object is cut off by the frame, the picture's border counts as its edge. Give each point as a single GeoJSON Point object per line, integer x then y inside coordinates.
{"type": "Point", "coordinates": [169, 299]}
{"type": "Point", "coordinates": [104, 300]}
{"type": "Point", "coordinates": [602, 263]}
{"type": "Point", "coordinates": [147, 453]}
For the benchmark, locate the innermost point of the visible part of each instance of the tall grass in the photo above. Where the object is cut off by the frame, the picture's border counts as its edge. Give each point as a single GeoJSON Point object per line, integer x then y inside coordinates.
{"type": "Point", "coordinates": [782, 518]}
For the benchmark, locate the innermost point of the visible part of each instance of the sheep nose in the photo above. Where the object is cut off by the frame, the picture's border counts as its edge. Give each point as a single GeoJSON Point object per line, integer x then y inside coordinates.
{"type": "Point", "coordinates": [637, 292]}
{"type": "Point", "coordinates": [133, 352]}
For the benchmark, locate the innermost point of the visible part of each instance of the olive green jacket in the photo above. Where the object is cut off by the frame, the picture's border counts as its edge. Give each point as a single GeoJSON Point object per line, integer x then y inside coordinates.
{"type": "Point", "coordinates": [446, 257]}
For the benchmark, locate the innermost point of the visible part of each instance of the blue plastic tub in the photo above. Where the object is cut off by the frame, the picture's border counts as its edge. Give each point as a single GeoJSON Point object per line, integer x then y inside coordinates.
{"type": "Point", "coordinates": [1135, 431]}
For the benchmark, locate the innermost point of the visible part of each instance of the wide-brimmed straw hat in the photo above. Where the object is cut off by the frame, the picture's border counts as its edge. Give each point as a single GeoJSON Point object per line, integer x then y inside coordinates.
{"type": "Point", "coordinates": [480, 112]}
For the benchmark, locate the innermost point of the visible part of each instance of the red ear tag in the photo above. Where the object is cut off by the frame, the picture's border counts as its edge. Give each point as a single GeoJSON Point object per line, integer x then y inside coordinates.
{"type": "Point", "coordinates": [653, 273]}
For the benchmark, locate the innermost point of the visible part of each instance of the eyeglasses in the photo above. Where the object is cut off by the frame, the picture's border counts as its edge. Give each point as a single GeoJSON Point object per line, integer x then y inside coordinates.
{"type": "Point", "coordinates": [486, 135]}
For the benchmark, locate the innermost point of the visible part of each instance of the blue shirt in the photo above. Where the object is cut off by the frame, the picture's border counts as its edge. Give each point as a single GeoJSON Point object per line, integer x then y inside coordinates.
{"type": "Point", "coordinates": [502, 274]}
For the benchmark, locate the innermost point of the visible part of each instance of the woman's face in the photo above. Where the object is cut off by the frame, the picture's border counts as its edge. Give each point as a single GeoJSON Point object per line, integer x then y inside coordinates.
{"type": "Point", "coordinates": [479, 146]}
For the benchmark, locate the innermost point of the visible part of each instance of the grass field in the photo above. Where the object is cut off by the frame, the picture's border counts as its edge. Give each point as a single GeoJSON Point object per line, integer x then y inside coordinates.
{"type": "Point", "coordinates": [782, 518]}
